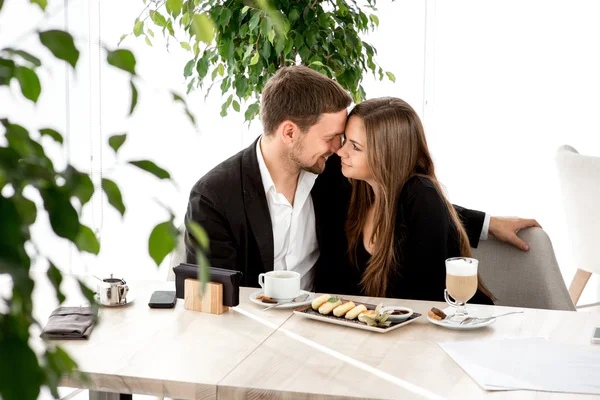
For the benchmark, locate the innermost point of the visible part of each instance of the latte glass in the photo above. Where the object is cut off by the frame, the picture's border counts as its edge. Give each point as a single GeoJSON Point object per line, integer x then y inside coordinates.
{"type": "Point", "coordinates": [461, 284]}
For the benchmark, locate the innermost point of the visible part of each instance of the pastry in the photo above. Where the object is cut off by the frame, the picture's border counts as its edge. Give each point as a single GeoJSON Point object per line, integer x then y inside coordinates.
{"type": "Point", "coordinates": [329, 305]}
{"type": "Point", "coordinates": [352, 314]}
{"type": "Point", "coordinates": [436, 314]}
{"type": "Point", "coordinates": [316, 303]}
{"type": "Point", "coordinates": [340, 311]}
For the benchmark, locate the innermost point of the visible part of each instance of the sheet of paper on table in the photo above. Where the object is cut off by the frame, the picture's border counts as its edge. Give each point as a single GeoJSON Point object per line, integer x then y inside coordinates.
{"type": "Point", "coordinates": [529, 364]}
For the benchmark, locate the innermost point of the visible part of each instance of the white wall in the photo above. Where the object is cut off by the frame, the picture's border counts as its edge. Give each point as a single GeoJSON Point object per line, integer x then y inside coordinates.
{"type": "Point", "coordinates": [500, 86]}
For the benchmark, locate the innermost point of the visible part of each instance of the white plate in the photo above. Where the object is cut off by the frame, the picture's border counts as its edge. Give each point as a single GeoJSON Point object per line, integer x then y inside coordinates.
{"type": "Point", "coordinates": [309, 299]}
{"type": "Point", "coordinates": [446, 323]}
{"type": "Point", "coordinates": [128, 299]}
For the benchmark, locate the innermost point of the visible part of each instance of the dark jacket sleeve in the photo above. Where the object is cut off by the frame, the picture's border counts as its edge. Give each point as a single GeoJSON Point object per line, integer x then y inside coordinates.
{"type": "Point", "coordinates": [206, 209]}
{"type": "Point", "coordinates": [473, 222]}
{"type": "Point", "coordinates": [428, 229]}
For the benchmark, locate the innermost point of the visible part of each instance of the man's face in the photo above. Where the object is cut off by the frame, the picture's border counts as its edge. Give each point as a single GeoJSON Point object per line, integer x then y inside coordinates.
{"type": "Point", "coordinates": [321, 140]}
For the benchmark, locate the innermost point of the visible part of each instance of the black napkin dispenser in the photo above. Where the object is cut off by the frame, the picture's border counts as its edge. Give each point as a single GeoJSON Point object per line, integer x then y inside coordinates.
{"type": "Point", "coordinates": [230, 280]}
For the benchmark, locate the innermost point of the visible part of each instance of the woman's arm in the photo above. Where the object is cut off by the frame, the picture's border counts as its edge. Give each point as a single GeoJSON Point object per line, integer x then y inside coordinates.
{"type": "Point", "coordinates": [473, 223]}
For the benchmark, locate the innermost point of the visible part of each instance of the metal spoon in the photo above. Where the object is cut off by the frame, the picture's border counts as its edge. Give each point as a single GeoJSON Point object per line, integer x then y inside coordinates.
{"type": "Point", "coordinates": [296, 300]}
{"type": "Point", "coordinates": [472, 320]}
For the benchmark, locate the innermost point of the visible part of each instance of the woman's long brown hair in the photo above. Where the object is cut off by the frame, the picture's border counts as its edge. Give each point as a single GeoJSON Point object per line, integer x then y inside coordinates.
{"type": "Point", "coordinates": [396, 151]}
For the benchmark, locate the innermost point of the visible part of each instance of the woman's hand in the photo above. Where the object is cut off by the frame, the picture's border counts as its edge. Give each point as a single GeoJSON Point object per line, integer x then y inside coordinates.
{"type": "Point", "coordinates": [505, 229]}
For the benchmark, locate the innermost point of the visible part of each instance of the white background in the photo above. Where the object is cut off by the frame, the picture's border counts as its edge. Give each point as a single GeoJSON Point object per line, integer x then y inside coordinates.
{"type": "Point", "coordinates": [500, 85]}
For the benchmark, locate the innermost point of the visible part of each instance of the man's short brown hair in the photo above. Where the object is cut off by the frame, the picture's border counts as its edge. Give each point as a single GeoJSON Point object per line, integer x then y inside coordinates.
{"type": "Point", "coordinates": [300, 94]}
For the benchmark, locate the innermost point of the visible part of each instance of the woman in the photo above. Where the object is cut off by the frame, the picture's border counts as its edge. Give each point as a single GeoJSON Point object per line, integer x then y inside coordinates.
{"type": "Point", "coordinates": [400, 226]}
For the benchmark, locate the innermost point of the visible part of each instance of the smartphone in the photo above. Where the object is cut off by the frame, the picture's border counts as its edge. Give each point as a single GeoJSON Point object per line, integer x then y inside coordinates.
{"type": "Point", "coordinates": [162, 299]}
{"type": "Point", "coordinates": [596, 335]}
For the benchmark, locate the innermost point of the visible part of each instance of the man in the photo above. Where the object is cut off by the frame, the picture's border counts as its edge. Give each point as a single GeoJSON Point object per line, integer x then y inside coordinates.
{"type": "Point", "coordinates": [281, 203]}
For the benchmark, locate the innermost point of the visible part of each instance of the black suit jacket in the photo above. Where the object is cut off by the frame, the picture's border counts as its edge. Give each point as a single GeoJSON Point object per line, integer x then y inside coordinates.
{"type": "Point", "coordinates": [230, 204]}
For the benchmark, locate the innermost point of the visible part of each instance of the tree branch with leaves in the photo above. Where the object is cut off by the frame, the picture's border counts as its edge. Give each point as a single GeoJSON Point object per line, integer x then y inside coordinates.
{"type": "Point", "coordinates": [241, 44]}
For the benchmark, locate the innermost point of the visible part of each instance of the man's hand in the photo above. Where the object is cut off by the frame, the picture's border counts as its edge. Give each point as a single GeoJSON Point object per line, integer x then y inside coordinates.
{"type": "Point", "coordinates": [505, 230]}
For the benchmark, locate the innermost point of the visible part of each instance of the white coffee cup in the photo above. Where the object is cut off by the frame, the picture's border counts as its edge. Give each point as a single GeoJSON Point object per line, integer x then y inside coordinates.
{"type": "Point", "coordinates": [280, 285]}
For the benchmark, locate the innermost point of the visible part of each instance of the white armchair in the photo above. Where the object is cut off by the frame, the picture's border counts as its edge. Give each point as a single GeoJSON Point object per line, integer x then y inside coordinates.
{"type": "Point", "coordinates": [579, 178]}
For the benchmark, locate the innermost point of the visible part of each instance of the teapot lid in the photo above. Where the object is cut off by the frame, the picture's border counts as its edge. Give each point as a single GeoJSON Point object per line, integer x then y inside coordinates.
{"type": "Point", "coordinates": [113, 280]}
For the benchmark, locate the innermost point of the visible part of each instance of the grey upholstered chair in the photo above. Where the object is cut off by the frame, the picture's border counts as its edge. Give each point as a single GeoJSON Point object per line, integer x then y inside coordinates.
{"type": "Point", "coordinates": [518, 278]}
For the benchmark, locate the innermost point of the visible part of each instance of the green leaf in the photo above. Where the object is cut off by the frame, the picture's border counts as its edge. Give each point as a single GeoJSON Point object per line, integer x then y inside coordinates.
{"type": "Point", "coordinates": [191, 85]}
{"type": "Point", "coordinates": [271, 36]}
{"type": "Point", "coordinates": [27, 209]}
{"type": "Point", "coordinates": [375, 19]}
{"type": "Point", "coordinates": [148, 42]}
{"type": "Point", "coordinates": [177, 97]}
{"type": "Point", "coordinates": [21, 374]}
{"type": "Point", "coordinates": [30, 83]}
{"type": "Point", "coordinates": [61, 44]}
{"type": "Point", "coordinates": [80, 184]}
{"type": "Point", "coordinates": [245, 10]}
{"type": "Point", "coordinates": [86, 240]}
{"type": "Point", "coordinates": [113, 193]}
{"type": "Point", "coordinates": [63, 217]}
{"type": "Point", "coordinates": [251, 111]}
{"type": "Point", "coordinates": [391, 76]}
{"type": "Point", "coordinates": [225, 17]}
{"type": "Point", "coordinates": [170, 28]}
{"type": "Point", "coordinates": [174, 7]}
{"type": "Point", "coordinates": [134, 97]}
{"type": "Point", "coordinates": [236, 106]}
{"type": "Point", "coordinates": [318, 63]}
{"type": "Point", "coordinates": [185, 46]}
{"type": "Point", "coordinates": [189, 68]}
{"type": "Point", "coordinates": [122, 38]}
{"type": "Point", "coordinates": [138, 28]}
{"type": "Point", "coordinates": [158, 19]}
{"type": "Point", "coordinates": [202, 67]}
{"type": "Point", "coordinates": [53, 134]}
{"type": "Point", "coordinates": [24, 55]}
{"type": "Point", "coordinates": [116, 141]}
{"type": "Point", "coordinates": [42, 3]}
{"type": "Point", "coordinates": [241, 86]}
{"type": "Point", "coordinates": [89, 295]}
{"type": "Point", "coordinates": [198, 233]}
{"type": "Point", "coordinates": [163, 240]}
{"type": "Point", "coordinates": [55, 277]}
{"type": "Point", "coordinates": [221, 69]}
{"type": "Point", "coordinates": [185, 21]}
{"type": "Point", "coordinates": [152, 168]}
{"type": "Point", "coordinates": [7, 71]}
{"type": "Point", "coordinates": [203, 28]}
{"type": "Point", "coordinates": [150, 32]}
{"type": "Point", "coordinates": [254, 21]}
{"type": "Point", "coordinates": [122, 59]}
{"type": "Point", "coordinates": [294, 15]}
{"type": "Point", "coordinates": [203, 270]}
{"type": "Point", "coordinates": [254, 59]}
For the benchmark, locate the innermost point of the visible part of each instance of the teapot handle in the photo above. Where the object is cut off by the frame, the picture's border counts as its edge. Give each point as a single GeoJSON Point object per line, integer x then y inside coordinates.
{"type": "Point", "coordinates": [123, 290]}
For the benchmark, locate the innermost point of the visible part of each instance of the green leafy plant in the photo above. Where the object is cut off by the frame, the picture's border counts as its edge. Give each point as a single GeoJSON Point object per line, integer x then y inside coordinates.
{"type": "Point", "coordinates": [240, 44]}
{"type": "Point", "coordinates": [29, 180]}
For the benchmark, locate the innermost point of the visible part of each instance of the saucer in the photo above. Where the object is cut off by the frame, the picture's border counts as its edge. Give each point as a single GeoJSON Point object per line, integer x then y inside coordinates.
{"type": "Point", "coordinates": [449, 311]}
{"type": "Point", "coordinates": [309, 299]}
{"type": "Point", "coordinates": [128, 300]}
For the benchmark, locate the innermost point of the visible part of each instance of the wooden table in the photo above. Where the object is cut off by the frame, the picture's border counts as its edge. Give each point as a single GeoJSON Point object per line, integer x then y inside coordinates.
{"type": "Point", "coordinates": [248, 353]}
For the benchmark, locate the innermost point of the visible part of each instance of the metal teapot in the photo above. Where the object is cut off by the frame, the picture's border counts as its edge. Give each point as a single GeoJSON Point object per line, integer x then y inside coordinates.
{"type": "Point", "coordinates": [112, 291]}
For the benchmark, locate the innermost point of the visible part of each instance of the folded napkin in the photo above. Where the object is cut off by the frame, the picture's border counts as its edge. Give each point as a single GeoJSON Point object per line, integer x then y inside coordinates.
{"type": "Point", "coordinates": [69, 323]}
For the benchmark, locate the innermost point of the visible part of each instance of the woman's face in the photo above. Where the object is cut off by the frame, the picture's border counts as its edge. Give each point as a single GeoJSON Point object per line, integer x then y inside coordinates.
{"type": "Point", "coordinates": [354, 151]}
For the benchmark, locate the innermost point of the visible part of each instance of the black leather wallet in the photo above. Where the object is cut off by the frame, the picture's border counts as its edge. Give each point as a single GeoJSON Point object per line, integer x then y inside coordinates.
{"type": "Point", "coordinates": [229, 278]}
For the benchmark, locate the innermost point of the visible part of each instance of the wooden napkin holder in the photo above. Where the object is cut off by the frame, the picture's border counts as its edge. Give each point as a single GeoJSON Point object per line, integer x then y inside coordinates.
{"type": "Point", "coordinates": [210, 302]}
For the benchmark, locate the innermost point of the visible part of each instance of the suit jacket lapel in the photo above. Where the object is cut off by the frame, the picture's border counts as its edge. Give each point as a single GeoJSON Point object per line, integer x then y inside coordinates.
{"type": "Point", "coordinates": [257, 209]}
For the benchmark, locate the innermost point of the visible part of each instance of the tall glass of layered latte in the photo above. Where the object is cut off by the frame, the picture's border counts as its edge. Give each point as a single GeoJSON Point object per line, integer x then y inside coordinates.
{"type": "Point", "coordinates": [461, 284]}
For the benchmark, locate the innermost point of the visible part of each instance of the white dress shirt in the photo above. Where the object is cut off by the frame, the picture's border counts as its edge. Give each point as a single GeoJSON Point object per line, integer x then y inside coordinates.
{"type": "Point", "coordinates": [294, 228]}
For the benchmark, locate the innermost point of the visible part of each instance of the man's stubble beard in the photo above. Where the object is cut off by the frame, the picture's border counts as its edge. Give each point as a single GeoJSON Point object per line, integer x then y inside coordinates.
{"type": "Point", "coordinates": [295, 158]}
